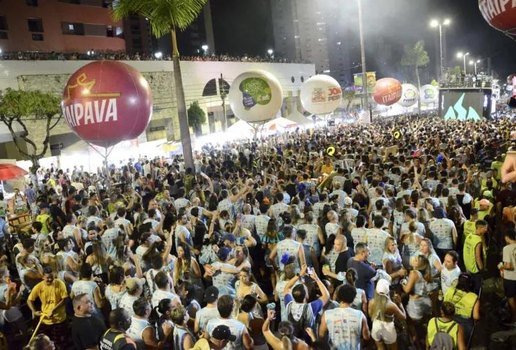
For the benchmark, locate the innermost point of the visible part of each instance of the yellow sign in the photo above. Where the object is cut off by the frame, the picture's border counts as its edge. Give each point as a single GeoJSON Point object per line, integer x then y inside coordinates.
{"type": "Point", "coordinates": [330, 151]}
{"type": "Point", "coordinates": [396, 134]}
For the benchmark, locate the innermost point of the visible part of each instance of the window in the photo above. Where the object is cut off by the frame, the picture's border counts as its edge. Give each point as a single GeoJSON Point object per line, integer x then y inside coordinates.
{"type": "Point", "coordinates": [35, 24]}
{"type": "Point", "coordinates": [3, 23]}
{"type": "Point", "coordinates": [3, 35]}
{"type": "Point", "coordinates": [72, 28]}
{"type": "Point", "coordinates": [37, 37]}
{"type": "Point", "coordinates": [33, 3]}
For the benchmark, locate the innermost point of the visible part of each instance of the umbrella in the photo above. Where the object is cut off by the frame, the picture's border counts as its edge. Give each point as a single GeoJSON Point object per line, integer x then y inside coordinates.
{"type": "Point", "coordinates": [11, 171]}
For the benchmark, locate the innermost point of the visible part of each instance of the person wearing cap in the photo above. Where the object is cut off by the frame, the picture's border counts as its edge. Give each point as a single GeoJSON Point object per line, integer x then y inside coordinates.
{"type": "Point", "coordinates": [475, 253]}
{"type": "Point", "coordinates": [383, 311]}
{"type": "Point", "coordinates": [344, 335]}
{"type": "Point", "coordinates": [242, 338]}
{"type": "Point", "coordinates": [484, 207]}
{"type": "Point", "coordinates": [115, 337]}
{"type": "Point", "coordinates": [222, 273]}
{"type": "Point", "coordinates": [210, 311]}
{"type": "Point", "coordinates": [444, 232]}
{"type": "Point", "coordinates": [44, 217]}
{"type": "Point", "coordinates": [134, 288]}
{"type": "Point", "coordinates": [217, 340]}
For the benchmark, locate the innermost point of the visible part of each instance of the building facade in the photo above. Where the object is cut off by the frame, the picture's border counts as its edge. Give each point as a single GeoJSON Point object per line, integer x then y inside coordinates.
{"type": "Point", "coordinates": [59, 26]}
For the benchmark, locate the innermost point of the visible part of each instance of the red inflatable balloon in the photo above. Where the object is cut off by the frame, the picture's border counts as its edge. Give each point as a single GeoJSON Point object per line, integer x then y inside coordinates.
{"type": "Point", "coordinates": [106, 102]}
{"type": "Point", "coordinates": [387, 91]}
{"type": "Point", "coordinates": [500, 14]}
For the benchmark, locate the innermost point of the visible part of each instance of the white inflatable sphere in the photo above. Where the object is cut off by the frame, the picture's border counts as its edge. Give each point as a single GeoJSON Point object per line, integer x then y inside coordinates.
{"type": "Point", "coordinates": [409, 95]}
{"type": "Point", "coordinates": [255, 96]}
{"type": "Point", "coordinates": [321, 94]}
{"type": "Point", "coordinates": [429, 94]}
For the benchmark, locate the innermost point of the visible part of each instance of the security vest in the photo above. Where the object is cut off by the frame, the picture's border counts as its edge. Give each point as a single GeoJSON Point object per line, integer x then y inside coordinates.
{"type": "Point", "coordinates": [463, 301]}
{"type": "Point", "coordinates": [469, 228]}
{"type": "Point", "coordinates": [470, 261]}
{"type": "Point", "coordinates": [449, 327]}
{"type": "Point", "coordinates": [114, 340]}
{"type": "Point", "coordinates": [44, 219]}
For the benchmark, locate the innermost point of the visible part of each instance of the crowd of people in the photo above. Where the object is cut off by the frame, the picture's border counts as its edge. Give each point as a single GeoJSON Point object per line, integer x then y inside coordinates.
{"type": "Point", "coordinates": [122, 55]}
{"type": "Point", "coordinates": [269, 244]}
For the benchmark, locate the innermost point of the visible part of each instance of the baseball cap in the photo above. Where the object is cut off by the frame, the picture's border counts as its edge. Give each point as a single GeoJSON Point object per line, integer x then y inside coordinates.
{"type": "Point", "coordinates": [222, 332]}
{"type": "Point", "coordinates": [223, 253]}
{"type": "Point", "coordinates": [488, 194]}
{"type": "Point", "coordinates": [132, 282]}
{"type": "Point", "coordinates": [439, 213]}
{"type": "Point", "coordinates": [382, 287]}
{"type": "Point", "coordinates": [229, 237]}
{"type": "Point", "coordinates": [211, 294]}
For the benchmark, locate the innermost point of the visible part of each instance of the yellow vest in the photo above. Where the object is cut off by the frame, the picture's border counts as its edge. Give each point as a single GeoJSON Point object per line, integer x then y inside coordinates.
{"type": "Point", "coordinates": [463, 301]}
{"type": "Point", "coordinates": [44, 219]}
{"type": "Point", "coordinates": [469, 228]}
{"type": "Point", "coordinates": [470, 261]}
{"type": "Point", "coordinates": [436, 325]}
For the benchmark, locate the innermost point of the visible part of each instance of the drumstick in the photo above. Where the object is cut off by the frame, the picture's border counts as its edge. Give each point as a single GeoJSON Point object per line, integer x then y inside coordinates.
{"type": "Point", "coordinates": [37, 328]}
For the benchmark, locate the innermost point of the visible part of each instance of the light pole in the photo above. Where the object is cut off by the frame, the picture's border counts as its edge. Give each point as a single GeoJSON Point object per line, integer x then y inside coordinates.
{"type": "Point", "coordinates": [270, 52]}
{"type": "Point", "coordinates": [463, 56]}
{"type": "Point", "coordinates": [435, 23]}
{"type": "Point", "coordinates": [365, 94]}
{"type": "Point", "coordinates": [205, 49]}
{"type": "Point", "coordinates": [474, 64]}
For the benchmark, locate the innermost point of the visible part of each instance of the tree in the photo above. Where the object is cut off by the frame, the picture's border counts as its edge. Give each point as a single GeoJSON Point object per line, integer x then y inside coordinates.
{"type": "Point", "coordinates": [196, 117]}
{"type": "Point", "coordinates": [167, 16]}
{"type": "Point", "coordinates": [18, 107]}
{"type": "Point", "coordinates": [416, 57]}
{"type": "Point", "coordinates": [348, 96]}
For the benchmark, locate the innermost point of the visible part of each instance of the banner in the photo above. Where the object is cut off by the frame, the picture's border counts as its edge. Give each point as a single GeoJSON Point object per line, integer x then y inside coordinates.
{"type": "Point", "coordinates": [358, 81]}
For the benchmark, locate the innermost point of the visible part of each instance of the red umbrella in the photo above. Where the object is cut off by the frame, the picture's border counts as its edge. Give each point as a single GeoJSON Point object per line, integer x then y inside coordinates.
{"type": "Point", "coordinates": [11, 171]}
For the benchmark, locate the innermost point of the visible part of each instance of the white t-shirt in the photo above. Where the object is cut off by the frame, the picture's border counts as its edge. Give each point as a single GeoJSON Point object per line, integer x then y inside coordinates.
{"type": "Point", "coordinates": [509, 255]}
{"type": "Point", "coordinates": [449, 278]}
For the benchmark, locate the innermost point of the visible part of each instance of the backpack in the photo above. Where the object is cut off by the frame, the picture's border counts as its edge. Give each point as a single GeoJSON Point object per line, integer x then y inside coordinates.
{"type": "Point", "coordinates": [304, 321]}
{"type": "Point", "coordinates": [443, 340]}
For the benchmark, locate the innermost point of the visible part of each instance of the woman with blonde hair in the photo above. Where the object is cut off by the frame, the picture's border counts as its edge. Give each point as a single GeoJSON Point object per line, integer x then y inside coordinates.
{"type": "Point", "coordinates": [417, 285]}
{"type": "Point", "coordinates": [383, 311]}
{"type": "Point", "coordinates": [391, 260]}
{"type": "Point", "coordinates": [410, 242]}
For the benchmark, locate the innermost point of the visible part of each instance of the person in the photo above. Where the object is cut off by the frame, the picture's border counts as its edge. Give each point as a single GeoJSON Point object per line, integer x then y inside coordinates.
{"type": "Point", "coordinates": [411, 240]}
{"type": "Point", "coordinates": [244, 286]}
{"type": "Point", "coordinates": [299, 311]}
{"type": "Point", "coordinates": [416, 285]}
{"type": "Point", "coordinates": [41, 342]}
{"type": "Point", "coordinates": [253, 321]}
{"type": "Point", "coordinates": [383, 312]}
{"type": "Point", "coordinates": [467, 303]}
{"type": "Point", "coordinates": [183, 338]}
{"type": "Point", "coordinates": [508, 270]}
{"type": "Point", "coordinates": [392, 263]}
{"type": "Point", "coordinates": [451, 271]}
{"type": "Point", "coordinates": [242, 338]}
{"type": "Point", "coordinates": [365, 271]}
{"type": "Point", "coordinates": [336, 257]}
{"type": "Point", "coordinates": [87, 328]}
{"type": "Point", "coordinates": [52, 294]}
{"type": "Point", "coordinates": [217, 340]}
{"type": "Point", "coordinates": [115, 338]}
{"type": "Point", "coordinates": [444, 232]}
{"type": "Point", "coordinates": [211, 295]}
{"type": "Point", "coordinates": [134, 289]}
{"type": "Point", "coordinates": [475, 253]}
{"type": "Point", "coordinates": [376, 240]}
{"type": "Point", "coordinates": [345, 335]}
{"type": "Point", "coordinates": [288, 246]}
{"type": "Point", "coordinates": [286, 331]}
{"type": "Point", "coordinates": [141, 331]}
{"type": "Point", "coordinates": [447, 325]}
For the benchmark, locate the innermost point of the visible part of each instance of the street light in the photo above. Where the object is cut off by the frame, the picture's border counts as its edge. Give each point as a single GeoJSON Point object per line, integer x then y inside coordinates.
{"type": "Point", "coordinates": [205, 49]}
{"type": "Point", "coordinates": [158, 55]}
{"type": "Point", "coordinates": [435, 23]}
{"type": "Point", "coordinates": [474, 64]}
{"type": "Point", "coordinates": [463, 56]}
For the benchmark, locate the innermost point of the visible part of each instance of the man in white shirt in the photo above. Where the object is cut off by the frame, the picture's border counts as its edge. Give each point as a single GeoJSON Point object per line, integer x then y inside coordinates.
{"type": "Point", "coordinates": [450, 273]}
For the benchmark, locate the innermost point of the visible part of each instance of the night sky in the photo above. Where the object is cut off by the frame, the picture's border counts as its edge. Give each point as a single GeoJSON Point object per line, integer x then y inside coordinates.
{"type": "Point", "coordinates": [244, 27]}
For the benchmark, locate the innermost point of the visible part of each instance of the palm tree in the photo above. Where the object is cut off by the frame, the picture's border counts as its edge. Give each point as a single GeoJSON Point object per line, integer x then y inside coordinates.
{"type": "Point", "coordinates": [167, 16]}
{"type": "Point", "coordinates": [416, 57]}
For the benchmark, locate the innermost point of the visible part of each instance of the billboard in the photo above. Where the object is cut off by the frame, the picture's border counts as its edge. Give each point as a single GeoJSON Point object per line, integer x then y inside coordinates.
{"type": "Point", "coordinates": [359, 82]}
{"type": "Point", "coordinates": [465, 104]}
